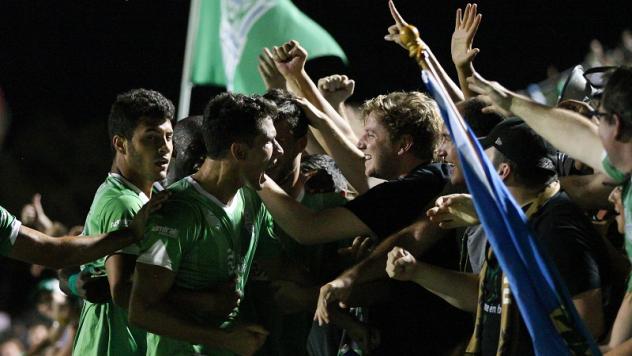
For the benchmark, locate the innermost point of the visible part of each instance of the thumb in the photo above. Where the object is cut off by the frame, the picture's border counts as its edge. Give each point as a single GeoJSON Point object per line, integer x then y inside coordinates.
{"type": "Point", "coordinates": [471, 54]}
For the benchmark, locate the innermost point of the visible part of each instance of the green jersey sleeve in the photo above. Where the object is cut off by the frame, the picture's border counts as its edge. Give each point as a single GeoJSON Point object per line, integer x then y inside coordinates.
{"type": "Point", "coordinates": [9, 229]}
{"type": "Point", "coordinates": [611, 170]}
{"type": "Point", "coordinates": [119, 214]}
{"type": "Point", "coordinates": [166, 238]}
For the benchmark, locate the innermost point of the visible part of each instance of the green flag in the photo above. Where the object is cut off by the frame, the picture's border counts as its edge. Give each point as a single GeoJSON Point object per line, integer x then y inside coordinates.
{"type": "Point", "coordinates": [232, 33]}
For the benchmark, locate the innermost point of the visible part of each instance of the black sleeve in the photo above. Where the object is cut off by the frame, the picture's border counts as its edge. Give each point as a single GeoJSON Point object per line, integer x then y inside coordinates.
{"type": "Point", "coordinates": [570, 248]}
{"type": "Point", "coordinates": [391, 206]}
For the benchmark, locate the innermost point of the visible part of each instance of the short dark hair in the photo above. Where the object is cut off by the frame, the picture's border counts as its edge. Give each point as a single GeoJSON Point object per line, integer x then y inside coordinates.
{"type": "Point", "coordinates": [289, 111]}
{"type": "Point", "coordinates": [408, 113]}
{"type": "Point", "coordinates": [135, 105]}
{"type": "Point", "coordinates": [480, 122]}
{"type": "Point", "coordinates": [232, 117]}
{"type": "Point", "coordinates": [527, 176]}
{"type": "Point", "coordinates": [617, 96]}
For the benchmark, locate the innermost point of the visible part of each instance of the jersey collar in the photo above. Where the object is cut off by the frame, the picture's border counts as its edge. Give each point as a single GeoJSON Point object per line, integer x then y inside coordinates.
{"type": "Point", "coordinates": [143, 197]}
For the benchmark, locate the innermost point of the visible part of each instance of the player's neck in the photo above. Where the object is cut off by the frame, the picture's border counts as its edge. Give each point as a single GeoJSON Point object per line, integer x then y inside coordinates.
{"type": "Point", "coordinates": [219, 178]}
{"type": "Point", "coordinates": [132, 176]}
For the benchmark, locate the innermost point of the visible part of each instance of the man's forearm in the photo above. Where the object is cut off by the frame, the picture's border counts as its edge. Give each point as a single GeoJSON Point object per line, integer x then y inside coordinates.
{"type": "Point", "coordinates": [347, 156]}
{"type": "Point", "coordinates": [457, 288]}
{"type": "Point", "coordinates": [160, 318]}
{"type": "Point", "coordinates": [568, 131]}
{"type": "Point", "coordinates": [463, 72]}
{"type": "Point", "coordinates": [305, 225]}
{"type": "Point", "coordinates": [334, 134]}
{"type": "Point", "coordinates": [416, 238]}
{"type": "Point", "coordinates": [309, 91]}
{"type": "Point", "coordinates": [34, 247]}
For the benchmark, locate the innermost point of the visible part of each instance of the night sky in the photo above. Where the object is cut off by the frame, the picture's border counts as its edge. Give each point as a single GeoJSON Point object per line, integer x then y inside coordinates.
{"type": "Point", "coordinates": [63, 62]}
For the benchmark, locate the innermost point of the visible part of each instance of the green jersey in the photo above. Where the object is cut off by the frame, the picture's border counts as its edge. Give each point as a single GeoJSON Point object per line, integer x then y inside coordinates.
{"type": "Point", "coordinates": [626, 198]}
{"type": "Point", "coordinates": [103, 328]}
{"type": "Point", "coordinates": [205, 243]}
{"type": "Point", "coordinates": [9, 228]}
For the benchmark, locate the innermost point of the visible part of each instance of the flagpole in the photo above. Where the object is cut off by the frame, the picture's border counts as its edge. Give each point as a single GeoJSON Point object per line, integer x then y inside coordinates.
{"type": "Point", "coordinates": [186, 86]}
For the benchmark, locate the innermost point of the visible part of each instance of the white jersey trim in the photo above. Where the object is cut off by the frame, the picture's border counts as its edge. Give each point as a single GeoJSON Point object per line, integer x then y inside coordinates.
{"type": "Point", "coordinates": [156, 255]}
{"type": "Point", "coordinates": [143, 197]}
{"type": "Point", "coordinates": [15, 230]}
{"type": "Point", "coordinates": [228, 208]}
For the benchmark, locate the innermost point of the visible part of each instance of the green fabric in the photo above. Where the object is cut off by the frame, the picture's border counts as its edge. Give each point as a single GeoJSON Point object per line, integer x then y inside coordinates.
{"type": "Point", "coordinates": [9, 227]}
{"type": "Point", "coordinates": [626, 198]}
{"type": "Point", "coordinates": [205, 243]}
{"type": "Point", "coordinates": [103, 328]}
{"type": "Point", "coordinates": [279, 21]}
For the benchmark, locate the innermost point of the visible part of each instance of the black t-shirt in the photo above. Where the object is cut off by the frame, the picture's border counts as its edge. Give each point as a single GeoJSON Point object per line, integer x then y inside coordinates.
{"type": "Point", "coordinates": [412, 321]}
{"type": "Point", "coordinates": [390, 206]}
{"type": "Point", "coordinates": [570, 242]}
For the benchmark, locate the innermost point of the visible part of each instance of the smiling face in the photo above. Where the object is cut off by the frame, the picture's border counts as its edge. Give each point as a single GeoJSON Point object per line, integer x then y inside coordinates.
{"type": "Point", "coordinates": [380, 154]}
{"type": "Point", "coordinates": [149, 150]}
{"type": "Point", "coordinates": [260, 155]}
{"type": "Point", "coordinates": [448, 154]}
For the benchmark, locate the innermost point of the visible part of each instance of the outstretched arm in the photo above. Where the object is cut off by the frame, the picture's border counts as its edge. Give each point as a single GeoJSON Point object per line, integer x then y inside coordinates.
{"type": "Point", "coordinates": [566, 130]}
{"type": "Point", "coordinates": [457, 288]}
{"type": "Point", "coordinates": [465, 27]}
{"type": "Point", "coordinates": [305, 225]}
{"type": "Point", "coordinates": [427, 60]}
{"type": "Point", "coordinates": [418, 238]}
{"type": "Point", "coordinates": [57, 252]}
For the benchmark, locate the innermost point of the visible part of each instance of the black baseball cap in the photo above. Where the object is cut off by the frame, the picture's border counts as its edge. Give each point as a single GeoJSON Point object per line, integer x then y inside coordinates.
{"type": "Point", "coordinates": [519, 143]}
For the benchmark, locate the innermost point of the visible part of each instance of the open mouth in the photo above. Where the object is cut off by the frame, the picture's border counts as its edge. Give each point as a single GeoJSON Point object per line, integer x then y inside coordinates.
{"type": "Point", "coordinates": [163, 163]}
{"type": "Point", "coordinates": [367, 157]}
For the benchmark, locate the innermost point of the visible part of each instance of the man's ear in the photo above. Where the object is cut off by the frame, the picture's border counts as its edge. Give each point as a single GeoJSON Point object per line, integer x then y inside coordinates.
{"type": "Point", "coordinates": [120, 144]}
{"type": "Point", "coordinates": [405, 144]}
{"type": "Point", "coordinates": [504, 170]}
{"type": "Point", "coordinates": [239, 151]}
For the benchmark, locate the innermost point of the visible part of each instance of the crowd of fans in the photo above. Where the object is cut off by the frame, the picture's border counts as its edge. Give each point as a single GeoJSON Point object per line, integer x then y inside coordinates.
{"type": "Point", "coordinates": [279, 224]}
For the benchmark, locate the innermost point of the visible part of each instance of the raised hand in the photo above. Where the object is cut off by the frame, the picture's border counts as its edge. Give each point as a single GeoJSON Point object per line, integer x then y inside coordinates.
{"type": "Point", "coordinates": [336, 88]}
{"type": "Point", "coordinates": [268, 71]}
{"type": "Point", "coordinates": [140, 220]}
{"type": "Point", "coordinates": [465, 27]}
{"type": "Point", "coordinates": [395, 31]}
{"type": "Point", "coordinates": [495, 95]}
{"type": "Point", "coordinates": [290, 59]}
{"type": "Point", "coordinates": [452, 211]}
{"type": "Point", "coordinates": [401, 265]}
{"type": "Point", "coordinates": [337, 290]}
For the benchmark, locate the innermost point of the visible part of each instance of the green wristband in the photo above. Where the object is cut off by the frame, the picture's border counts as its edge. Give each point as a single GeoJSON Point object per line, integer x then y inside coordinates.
{"type": "Point", "coordinates": [72, 284]}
